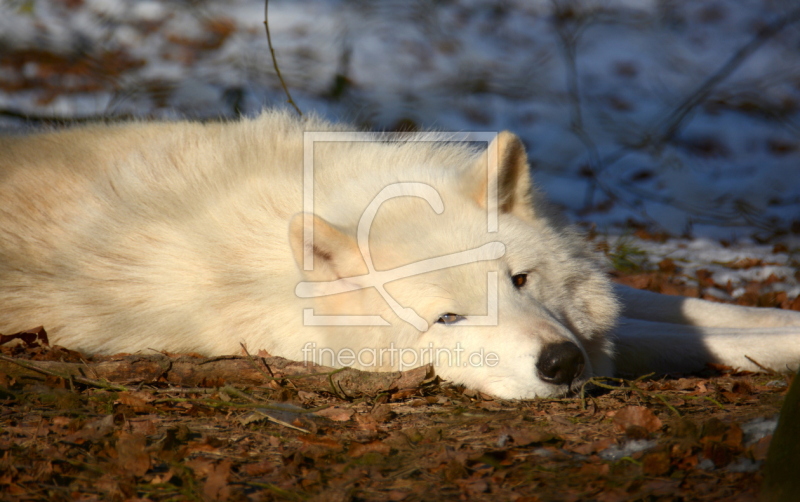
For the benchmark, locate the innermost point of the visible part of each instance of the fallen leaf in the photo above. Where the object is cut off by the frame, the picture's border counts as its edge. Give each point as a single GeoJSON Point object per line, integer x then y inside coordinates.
{"type": "Point", "coordinates": [257, 468]}
{"type": "Point", "coordinates": [96, 429]}
{"type": "Point", "coordinates": [132, 456]}
{"type": "Point", "coordinates": [667, 266]}
{"type": "Point", "coordinates": [216, 486]}
{"type": "Point", "coordinates": [404, 394]}
{"type": "Point", "coordinates": [716, 431]}
{"type": "Point", "coordinates": [412, 379]}
{"type": "Point", "coordinates": [761, 448]}
{"type": "Point", "coordinates": [473, 486]}
{"type": "Point", "coordinates": [336, 413]}
{"type": "Point", "coordinates": [637, 416]}
{"type": "Point", "coordinates": [313, 440]}
{"type": "Point", "coordinates": [137, 401]}
{"type": "Point", "coordinates": [382, 413]}
{"type": "Point", "coordinates": [366, 422]}
{"type": "Point", "coordinates": [656, 463]}
{"type": "Point", "coordinates": [595, 469]}
{"type": "Point", "coordinates": [361, 449]}
{"type": "Point", "coordinates": [523, 437]}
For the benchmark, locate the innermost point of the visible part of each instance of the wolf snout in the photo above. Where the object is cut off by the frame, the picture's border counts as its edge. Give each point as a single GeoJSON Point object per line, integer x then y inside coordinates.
{"type": "Point", "coordinates": [560, 363]}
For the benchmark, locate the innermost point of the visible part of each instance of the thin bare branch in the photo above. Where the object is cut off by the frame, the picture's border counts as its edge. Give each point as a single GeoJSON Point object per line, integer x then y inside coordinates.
{"type": "Point", "coordinates": [667, 127]}
{"type": "Point", "coordinates": [569, 37]}
{"type": "Point", "coordinates": [664, 128]}
{"type": "Point", "coordinates": [275, 60]}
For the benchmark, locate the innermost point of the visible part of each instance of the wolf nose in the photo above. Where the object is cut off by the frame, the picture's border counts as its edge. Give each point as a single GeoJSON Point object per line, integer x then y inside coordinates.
{"type": "Point", "coordinates": [560, 363]}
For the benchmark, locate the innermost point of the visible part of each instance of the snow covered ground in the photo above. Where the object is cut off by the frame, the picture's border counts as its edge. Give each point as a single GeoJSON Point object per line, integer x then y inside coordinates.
{"type": "Point", "coordinates": [745, 271]}
{"type": "Point", "coordinates": [597, 89]}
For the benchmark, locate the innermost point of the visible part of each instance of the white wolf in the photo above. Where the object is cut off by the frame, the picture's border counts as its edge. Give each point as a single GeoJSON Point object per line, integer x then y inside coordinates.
{"type": "Point", "coordinates": [192, 237]}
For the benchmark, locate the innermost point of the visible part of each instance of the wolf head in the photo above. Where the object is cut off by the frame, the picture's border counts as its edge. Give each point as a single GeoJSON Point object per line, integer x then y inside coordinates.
{"type": "Point", "coordinates": [438, 254]}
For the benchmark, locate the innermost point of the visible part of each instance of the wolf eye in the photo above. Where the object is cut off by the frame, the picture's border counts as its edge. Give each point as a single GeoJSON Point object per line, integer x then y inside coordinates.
{"type": "Point", "coordinates": [519, 280]}
{"type": "Point", "coordinates": [450, 318]}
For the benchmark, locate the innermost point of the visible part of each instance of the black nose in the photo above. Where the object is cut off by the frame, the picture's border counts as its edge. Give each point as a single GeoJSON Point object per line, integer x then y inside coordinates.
{"type": "Point", "coordinates": [560, 363]}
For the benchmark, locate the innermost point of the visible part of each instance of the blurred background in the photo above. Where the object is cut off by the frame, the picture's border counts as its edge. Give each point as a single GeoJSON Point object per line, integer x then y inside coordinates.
{"type": "Point", "coordinates": [673, 116]}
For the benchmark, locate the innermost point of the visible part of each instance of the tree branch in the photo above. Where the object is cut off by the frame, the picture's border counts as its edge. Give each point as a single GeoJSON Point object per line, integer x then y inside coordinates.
{"type": "Point", "coordinates": [275, 60]}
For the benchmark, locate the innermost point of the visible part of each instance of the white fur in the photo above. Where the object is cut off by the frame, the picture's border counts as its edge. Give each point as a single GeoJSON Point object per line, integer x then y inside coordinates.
{"type": "Point", "coordinates": [189, 237]}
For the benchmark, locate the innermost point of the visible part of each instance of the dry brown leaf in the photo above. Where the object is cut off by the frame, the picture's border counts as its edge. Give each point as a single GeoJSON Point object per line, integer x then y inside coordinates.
{"type": "Point", "coordinates": [667, 266]}
{"type": "Point", "coordinates": [146, 425]}
{"type": "Point", "coordinates": [313, 440]}
{"type": "Point", "coordinates": [137, 400]}
{"type": "Point", "coordinates": [595, 469]}
{"type": "Point", "coordinates": [382, 413]}
{"type": "Point", "coordinates": [336, 413]}
{"type": "Point", "coordinates": [473, 486]}
{"type": "Point", "coordinates": [366, 422]}
{"type": "Point", "coordinates": [404, 394]}
{"type": "Point", "coordinates": [216, 486]}
{"type": "Point", "coordinates": [361, 449]}
{"type": "Point", "coordinates": [761, 448]}
{"type": "Point", "coordinates": [200, 465]}
{"type": "Point", "coordinates": [636, 416]}
{"type": "Point", "coordinates": [96, 429]}
{"type": "Point", "coordinates": [656, 463]}
{"type": "Point", "coordinates": [522, 437]}
{"type": "Point", "coordinates": [412, 379]}
{"type": "Point", "coordinates": [132, 456]}
{"type": "Point", "coordinates": [257, 468]}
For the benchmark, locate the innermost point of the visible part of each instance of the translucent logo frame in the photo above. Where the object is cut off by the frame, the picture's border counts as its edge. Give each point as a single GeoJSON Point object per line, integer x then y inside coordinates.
{"type": "Point", "coordinates": [378, 278]}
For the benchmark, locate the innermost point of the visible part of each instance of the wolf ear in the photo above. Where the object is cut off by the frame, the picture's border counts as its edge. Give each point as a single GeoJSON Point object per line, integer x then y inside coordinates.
{"type": "Point", "coordinates": [334, 254]}
{"type": "Point", "coordinates": [506, 163]}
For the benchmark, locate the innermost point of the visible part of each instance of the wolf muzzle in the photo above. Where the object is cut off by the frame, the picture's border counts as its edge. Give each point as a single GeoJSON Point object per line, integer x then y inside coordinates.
{"type": "Point", "coordinates": [560, 363]}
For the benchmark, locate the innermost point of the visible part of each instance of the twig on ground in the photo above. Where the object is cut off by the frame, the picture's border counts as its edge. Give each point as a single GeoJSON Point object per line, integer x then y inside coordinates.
{"type": "Point", "coordinates": [240, 393]}
{"type": "Point", "coordinates": [281, 422]}
{"type": "Point", "coordinates": [665, 403]}
{"type": "Point", "coordinates": [79, 379]}
{"type": "Point", "coordinates": [599, 382]}
{"type": "Point", "coordinates": [762, 367]}
{"type": "Point", "coordinates": [705, 398]}
{"type": "Point", "coordinates": [258, 368]}
{"type": "Point", "coordinates": [343, 396]}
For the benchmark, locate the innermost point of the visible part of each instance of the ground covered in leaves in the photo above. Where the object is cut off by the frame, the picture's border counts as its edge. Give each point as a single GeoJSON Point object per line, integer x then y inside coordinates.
{"type": "Point", "coordinates": [408, 437]}
{"type": "Point", "coordinates": [183, 427]}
